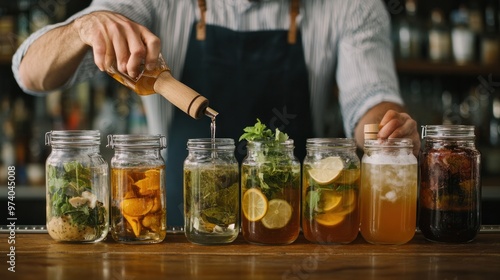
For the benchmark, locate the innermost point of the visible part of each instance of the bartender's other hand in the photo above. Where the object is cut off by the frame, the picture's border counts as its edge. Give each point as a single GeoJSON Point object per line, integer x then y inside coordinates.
{"type": "Point", "coordinates": [116, 40]}
{"type": "Point", "coordinates": [400, 125]}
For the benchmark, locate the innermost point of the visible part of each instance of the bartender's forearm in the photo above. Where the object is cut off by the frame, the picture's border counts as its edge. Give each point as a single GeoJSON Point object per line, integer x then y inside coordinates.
{"type": "Point", "coordinates": [52, 59]}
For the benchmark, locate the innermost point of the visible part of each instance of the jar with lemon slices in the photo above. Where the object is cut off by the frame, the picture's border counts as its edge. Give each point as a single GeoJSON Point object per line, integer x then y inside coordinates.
{"type": "Point", "coordinates": [330, 191]}
{"type": "Point", "coordinates": [138, 209]}
{"type": "Point", "coordinates": [270, 196]}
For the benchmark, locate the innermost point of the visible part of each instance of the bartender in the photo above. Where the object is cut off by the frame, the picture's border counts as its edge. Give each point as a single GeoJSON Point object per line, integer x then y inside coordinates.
{"type": "Point", "coordinates": [276, 60]}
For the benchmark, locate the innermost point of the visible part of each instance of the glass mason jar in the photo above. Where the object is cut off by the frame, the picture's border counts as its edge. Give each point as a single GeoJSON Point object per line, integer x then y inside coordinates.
{"type": "Point", "coordinates": [389, 172]}
{"type": "Point", "coordinates": [211, 191]}
{"type": "Point", "coordinates": [270, 193]}
{"type": "Point", "coordinates": [330, 191]}
{"type": "Point", "coordinates": [77, 180]}
{"type": "Point", "coordinates": [138, 201]}
{"type": "Point", "coordinates": [450, 187]}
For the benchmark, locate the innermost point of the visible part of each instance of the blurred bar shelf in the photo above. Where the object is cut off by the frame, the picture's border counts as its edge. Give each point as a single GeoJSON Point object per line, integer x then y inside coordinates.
{"type": "Point", "coordinates": [425, 67]}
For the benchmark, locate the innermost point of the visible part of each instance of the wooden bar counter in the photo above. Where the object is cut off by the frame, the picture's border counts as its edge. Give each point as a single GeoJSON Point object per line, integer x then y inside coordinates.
{"type": "Point", "coordinates": [37, 256]}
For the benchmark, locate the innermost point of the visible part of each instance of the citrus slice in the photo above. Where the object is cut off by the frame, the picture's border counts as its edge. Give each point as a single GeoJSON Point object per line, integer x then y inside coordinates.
{"type": "Point", "coordinates": [348, 176]}
{"type": "Point", "coordinates": [326, 170]}
{"type": "Point", "coordinates": [136, 207]}
{"type": "Point", "coordinates": [329, 200]}
{"type": "Point", "coordinates": [348, 198]}
{"type": "Point", "coordinates": [134, 224]}
{"type": "Point", "coordinates": [329, 218]}
{"type": "Point", "coordinates": [278, 214]}
{"type": "Point", "coordinates": [254, 205]}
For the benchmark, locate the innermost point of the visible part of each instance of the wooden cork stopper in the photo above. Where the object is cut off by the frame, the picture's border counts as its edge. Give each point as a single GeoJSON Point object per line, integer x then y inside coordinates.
{"type": "Point", "coordinates": [180, 95]}
{"type": "Point", "coordinates": [371, 131]}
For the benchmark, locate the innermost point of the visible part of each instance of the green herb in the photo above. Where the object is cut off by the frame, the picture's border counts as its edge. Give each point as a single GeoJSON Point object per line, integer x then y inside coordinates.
{"type": "Point", "coordinates": [274, 167]}
{"type": "Point", "coordinates": [215, 196]}
{"type": "Point", "coordinates": [260, 132]}
{"type": "Point", "coordinates": [71, 181]}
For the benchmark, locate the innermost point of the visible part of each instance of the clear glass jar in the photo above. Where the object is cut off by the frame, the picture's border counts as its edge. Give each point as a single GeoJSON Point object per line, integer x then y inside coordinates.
{"type": "Point", "coordinates": [389, 172]}
{"type": "Point", "coordinates": [138, 200]}
{"type": "Point", "coordinates": [330, 191]}
{"type": "Point", "coordinates": [450, 184]}
{"type": "Point", "coordinates": [270, 193]}
{"type": "Point", "coordinates": [77, 183]}
{"type": "Point", "coordinates": [211, 192]}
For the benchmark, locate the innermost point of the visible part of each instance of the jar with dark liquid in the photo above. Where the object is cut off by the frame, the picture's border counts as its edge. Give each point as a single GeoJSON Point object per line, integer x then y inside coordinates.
{"type": "Point", "coordinates": [450, 188]}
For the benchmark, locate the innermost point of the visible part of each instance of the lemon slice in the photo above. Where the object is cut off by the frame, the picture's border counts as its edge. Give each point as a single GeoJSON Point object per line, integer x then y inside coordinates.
{"type": "Point", "coordinates": [326, 170]}
{"type": "Point", "coordinates": [329, 200]}
{"type": "Point", "coordinates": [278, 214]}
{"type": "Point", "coordinates": [329, 219]}
{"type": "Point", "coordinates": [254, 205]}
{"type": "Point", "coordinates": [348, 176]}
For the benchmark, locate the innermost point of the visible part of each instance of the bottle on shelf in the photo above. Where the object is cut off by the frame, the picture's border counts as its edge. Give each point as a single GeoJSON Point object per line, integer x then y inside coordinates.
{"type": "Point", "coordinates": [160, 80]}
{"type": "Point", "coordinates": [439, 37]}
{"type": "Point", "coordinates": [490, 40]}
{"type": "Point", "coordinates": [410, 33]}
{"type": "Point", "coordinates": [462, 36]}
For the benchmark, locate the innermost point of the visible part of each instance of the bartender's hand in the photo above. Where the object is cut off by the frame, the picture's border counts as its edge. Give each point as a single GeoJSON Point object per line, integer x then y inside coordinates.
{"type": "Point", "coordinates": [393, 121]}
{"type": "Point", "coordinates": [400, 125]}
{"type": "Point", "coordinates": [117, 40]}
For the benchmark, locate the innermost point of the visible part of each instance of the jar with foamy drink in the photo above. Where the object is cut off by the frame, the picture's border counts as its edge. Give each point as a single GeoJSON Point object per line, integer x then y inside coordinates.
{"type": "Point", "coordinates": [388, 191]}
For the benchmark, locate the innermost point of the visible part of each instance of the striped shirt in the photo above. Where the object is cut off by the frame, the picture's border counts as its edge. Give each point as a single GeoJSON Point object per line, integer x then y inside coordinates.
{"type": "Point", "coordinates": [345, 42]}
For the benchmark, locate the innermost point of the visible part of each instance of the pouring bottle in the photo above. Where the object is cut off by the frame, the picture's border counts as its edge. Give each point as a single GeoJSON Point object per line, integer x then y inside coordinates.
{"type": "Point", "coordinates": [160, 80]}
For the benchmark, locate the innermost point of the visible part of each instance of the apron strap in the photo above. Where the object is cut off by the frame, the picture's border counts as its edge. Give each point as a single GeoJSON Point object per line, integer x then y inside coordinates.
{"type": "Point", "coordinates": [201, 27]}
{"type": "Point", "coordinates": [292, 31]}
{"type": "Point", "coordinates": [294, 12]}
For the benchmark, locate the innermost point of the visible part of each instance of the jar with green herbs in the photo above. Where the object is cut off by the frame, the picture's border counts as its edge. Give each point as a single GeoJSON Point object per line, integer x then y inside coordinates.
{"type": "Point", "coordinates": [330, 191]}
{"type": "Point", "coordinates": [270, 187]}
{"type": "Point", "coordinates": [211, 191]}
{"type": "Point", "coordinates": [138, 199]}
{"type": "Point", "coordinates": [77, 182]}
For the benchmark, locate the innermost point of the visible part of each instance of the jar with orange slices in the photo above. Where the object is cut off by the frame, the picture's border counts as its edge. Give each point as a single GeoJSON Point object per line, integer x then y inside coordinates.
{"type": "Point", "coordinates": [270, 188]}
{"type": "Point", "coordinates": [138, 209]}
{"type": "Point", "coordinates": [330, 191]}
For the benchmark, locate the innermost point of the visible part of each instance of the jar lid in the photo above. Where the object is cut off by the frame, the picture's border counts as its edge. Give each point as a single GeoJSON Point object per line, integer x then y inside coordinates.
{"type": "Point", "coordinates": [448, 131]}
{"type": "Point", "coordinates": [207, 143]}
{"type": "Point", "coordinates": [73, 137]}
{"type": "Point", "coordinates": [330, 143]}
{"type": "Point", "coordinates": [136, 141]}
{"type": "Point", "coordinates": [389, 143]}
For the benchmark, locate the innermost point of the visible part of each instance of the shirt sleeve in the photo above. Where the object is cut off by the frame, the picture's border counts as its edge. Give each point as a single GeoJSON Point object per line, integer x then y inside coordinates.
{"type": "Point", "coordinates": [138, 11]}
{"type": "Point", "coordinates": [366, 73]}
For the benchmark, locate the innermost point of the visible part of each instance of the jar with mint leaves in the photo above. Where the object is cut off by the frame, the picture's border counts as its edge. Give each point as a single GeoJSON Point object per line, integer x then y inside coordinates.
{"type": "Point", "coordinates": [270, 187]}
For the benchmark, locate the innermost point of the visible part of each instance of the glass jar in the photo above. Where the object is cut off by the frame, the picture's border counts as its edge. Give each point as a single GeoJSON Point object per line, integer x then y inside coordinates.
{"type": "Point", "coordinates": [330, 191]}
{"type": "Point", "coordinates": [211, 191]}
{"type": "Point", "coordinates": [389, 172]}
{"type": "Point", "coordinates": [450, 184]}
{"type": "Point", "coordinates": [77, 183]}
{"type": "Point", "coordinates": [138, 201]}
{"type": "Point", "coordinates": [270, 193]}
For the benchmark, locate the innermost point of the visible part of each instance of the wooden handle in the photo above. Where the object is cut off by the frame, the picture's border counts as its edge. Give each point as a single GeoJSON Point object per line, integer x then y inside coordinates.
{"type": "Point", "coordinates": [182, 96]}
{"type": "Point", "coordinates": [371, 131]}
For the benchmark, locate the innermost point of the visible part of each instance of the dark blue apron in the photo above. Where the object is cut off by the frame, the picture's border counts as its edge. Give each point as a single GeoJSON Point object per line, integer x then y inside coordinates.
{"type": "Point", "coordinates": [245, 76]}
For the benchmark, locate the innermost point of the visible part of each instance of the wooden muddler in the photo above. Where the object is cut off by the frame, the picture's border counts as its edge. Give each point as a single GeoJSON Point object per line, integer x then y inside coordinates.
{"type": "Point", "coordinates": [371, 131]}
{"type": "Point", "coordinates": [181, 96]}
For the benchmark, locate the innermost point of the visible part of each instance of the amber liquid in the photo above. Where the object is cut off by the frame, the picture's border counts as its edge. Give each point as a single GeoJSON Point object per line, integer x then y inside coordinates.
{"type": "Point", "coordinates": [138, 213]}
{"type": "Point", "coordinates": [256, 232]}
{"type": "Point", "coordinates": [144, 85]}
{"type": "Point", "coordinates": [388, 203]}
{"type": "Point", "coordinates": [343, 226]}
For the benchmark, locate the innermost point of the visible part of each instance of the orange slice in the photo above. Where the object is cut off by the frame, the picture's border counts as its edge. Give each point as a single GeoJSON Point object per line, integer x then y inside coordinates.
{"type": "Point", "coordinates": [329, 218]}
{"type": "Point", "coordinates": [326, 170]}
{"type": "Point", "coordinates": [329, 200]}
{"type": "Point", "coordinates": [348, 176]}
{"type": "Point", "coordinates": [278, 214]}
{"type": "Point", "coordinates": [254, 204]}
{"type": "Point", "coordinates": [134, 224]}
{"type": "Point", "coordinates": [136, 206]}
